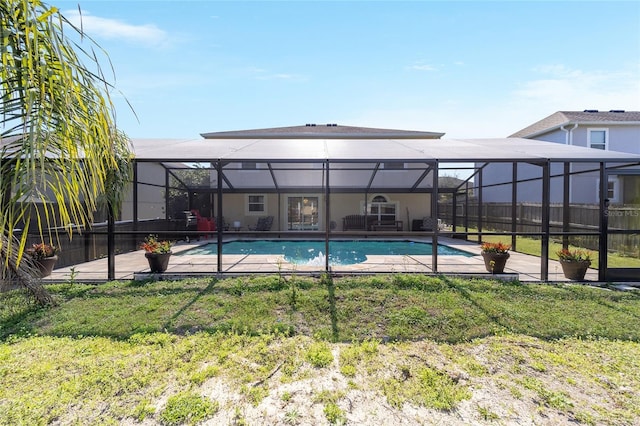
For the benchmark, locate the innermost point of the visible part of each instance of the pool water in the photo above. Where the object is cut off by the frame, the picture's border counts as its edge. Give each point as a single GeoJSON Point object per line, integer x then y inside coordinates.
{"type": "Point", "coordinates": [312, 252]}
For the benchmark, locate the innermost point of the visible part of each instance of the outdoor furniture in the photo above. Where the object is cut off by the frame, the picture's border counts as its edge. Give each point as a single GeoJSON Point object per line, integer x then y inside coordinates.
{"type": "Point", "coordinates": [221, 223]}
{"type": "Point", "coordinates": [204, 223]}
{"type": "Point", "coordinates": [429, 223]}
{"type": "Point", "coordinates": [416, 225]}
{"type": "Point", "coordinates": [387, 225]}
{"type": "Point", "coordinates": [263, 224]}
{"type": "Point", "coordinates": [355, 222]}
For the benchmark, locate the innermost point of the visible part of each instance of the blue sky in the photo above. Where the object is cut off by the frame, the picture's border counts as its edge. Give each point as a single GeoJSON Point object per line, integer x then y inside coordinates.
{"type": "Point", "coordinates": [469, 69]}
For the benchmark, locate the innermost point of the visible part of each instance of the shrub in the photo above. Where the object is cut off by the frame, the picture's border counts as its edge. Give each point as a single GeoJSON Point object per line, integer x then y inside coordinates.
{"type": "Point", "coordinates": [187, 408]}
{"type": "Point", "coordinates": [319, 354]}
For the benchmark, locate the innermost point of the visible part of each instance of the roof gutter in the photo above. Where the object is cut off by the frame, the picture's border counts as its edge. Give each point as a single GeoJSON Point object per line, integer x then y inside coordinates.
{"type": "Point", "coordinates": [568, 139]}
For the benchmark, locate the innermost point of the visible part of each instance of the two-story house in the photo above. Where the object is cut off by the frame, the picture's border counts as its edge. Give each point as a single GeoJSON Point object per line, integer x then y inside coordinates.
{"type": "Point", "coordinates": [614, 130]}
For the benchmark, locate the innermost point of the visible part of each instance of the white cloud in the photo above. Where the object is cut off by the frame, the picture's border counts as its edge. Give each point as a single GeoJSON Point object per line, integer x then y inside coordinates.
{"type": "Point", "coordinates": [422, 67]}
{"type": "Point", "coordinates": [563, 88]}
{"type": "Point", "coordinates": [558, 88]}
{"type": "Point", "coordinates": [95, 26]}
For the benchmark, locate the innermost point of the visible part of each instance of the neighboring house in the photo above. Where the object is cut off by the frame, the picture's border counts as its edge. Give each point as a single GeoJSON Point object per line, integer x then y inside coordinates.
{"type": "Point", "coordinates": [615, 130]}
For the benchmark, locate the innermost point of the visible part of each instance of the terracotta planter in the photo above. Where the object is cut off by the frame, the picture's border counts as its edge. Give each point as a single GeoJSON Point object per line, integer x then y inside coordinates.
{"type": "Point", "coordinates": [45, 265]}
{"type": "Point", "coordinates": [575, 270]}
{"type": "Point", "coordinates": [158, 262]}
{"type": "Point", "coordinates": [495, 262]}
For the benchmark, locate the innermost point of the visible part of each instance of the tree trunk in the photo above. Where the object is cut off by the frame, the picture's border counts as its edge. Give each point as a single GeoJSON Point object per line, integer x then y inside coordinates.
{"type": "Point", "coordinates": [22, 275]}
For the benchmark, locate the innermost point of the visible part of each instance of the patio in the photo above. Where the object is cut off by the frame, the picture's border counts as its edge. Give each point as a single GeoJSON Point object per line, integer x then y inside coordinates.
{"type": "Point", "coordinates": [133, 265]}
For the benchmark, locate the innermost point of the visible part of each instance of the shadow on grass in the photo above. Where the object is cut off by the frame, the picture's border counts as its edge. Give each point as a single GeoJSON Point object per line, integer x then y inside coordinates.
{"type": "Point", "coordinates": [333, 312]}
{"type": "Point", "coordinates": [191, 302]}
{"type": "Point", "coordinates": [616, 297]}
{"type": "Point", "coordinates": [466, 294]}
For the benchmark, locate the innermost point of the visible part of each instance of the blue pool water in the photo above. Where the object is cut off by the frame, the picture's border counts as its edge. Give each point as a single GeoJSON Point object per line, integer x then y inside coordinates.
{"type": "Point", "coordinates": [312, 252]}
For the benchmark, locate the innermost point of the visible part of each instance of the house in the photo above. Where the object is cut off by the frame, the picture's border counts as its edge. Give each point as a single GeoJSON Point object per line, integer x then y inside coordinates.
{"type": "Point", "coordinates": [292, 189]}
{"type": "Point", "coordinates": [614, 130]}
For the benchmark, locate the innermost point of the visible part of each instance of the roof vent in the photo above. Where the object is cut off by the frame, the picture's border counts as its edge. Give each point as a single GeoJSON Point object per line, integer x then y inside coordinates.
{"type": "Point", "coordinates": [591, 110]}
{"type": "Point", "coordinates": [616, 110]}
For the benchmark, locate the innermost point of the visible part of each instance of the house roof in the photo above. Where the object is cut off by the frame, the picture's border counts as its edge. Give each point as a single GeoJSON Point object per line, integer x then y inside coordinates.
{"type": "Point", "coordinates": [309, 131]}
{"type": "Point", "coordinates": [589, 117]}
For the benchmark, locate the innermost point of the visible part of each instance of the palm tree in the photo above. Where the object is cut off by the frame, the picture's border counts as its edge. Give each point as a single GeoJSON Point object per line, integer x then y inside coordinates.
{"type": "Point", "coordinates": [59, 144]}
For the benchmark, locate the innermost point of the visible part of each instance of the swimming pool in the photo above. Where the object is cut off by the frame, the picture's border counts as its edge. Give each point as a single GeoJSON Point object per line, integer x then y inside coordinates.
{"type": "Point", "coordinates": [341, 252]}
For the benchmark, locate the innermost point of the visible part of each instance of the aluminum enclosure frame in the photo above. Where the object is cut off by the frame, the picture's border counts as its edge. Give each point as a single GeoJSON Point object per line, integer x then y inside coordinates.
{"type": "Point", "coordinates": [431, 155]}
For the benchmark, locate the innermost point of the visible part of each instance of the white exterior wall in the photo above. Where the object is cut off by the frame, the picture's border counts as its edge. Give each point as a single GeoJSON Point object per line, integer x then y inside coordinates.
{"type": "Point", "coordinates": [624, 139]}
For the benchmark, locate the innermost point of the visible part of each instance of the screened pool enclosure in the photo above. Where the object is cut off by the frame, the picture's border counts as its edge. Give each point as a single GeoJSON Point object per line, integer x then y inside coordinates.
{"type": "Point", "coordinates": [407, 186]}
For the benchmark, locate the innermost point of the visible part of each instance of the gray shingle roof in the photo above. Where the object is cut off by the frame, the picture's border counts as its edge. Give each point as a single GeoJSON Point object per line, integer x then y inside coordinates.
{"type": "Point", "coordinates": [560, 118]}
{"type": "Point", "coordinates": [322, 131]}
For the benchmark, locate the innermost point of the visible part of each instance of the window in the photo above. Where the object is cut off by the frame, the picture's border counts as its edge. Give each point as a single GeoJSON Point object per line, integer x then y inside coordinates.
{"type": "Point", "coordinates": [256, 204]}
{"type": "Point", "coordinates": [393, 165]}
{"type": "Point", "coordinates": [382, 209]}
{"type": "Point", "coordinates": [613, 189]}
{"type": "Point", "coordinates": [598, 138]}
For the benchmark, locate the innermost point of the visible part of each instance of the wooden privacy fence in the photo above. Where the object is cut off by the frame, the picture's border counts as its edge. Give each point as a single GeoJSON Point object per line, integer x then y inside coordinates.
{"type": "Point", "coordinates": [582, 218]}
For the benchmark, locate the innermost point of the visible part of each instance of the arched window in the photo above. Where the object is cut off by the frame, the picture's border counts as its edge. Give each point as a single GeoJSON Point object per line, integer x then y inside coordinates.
{"type": "Point", "coordinates": [382, 209]}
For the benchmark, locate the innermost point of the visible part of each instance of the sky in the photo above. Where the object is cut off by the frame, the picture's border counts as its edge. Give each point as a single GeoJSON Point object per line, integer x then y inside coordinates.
{"type": "Point", "coordinates": [468, 69]}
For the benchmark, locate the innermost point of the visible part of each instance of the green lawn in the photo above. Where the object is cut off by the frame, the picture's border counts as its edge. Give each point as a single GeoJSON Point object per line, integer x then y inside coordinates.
{"type": "Point", "coordinates": [533, 247]}
{"type": "Point", "coordinates": [153, 351]}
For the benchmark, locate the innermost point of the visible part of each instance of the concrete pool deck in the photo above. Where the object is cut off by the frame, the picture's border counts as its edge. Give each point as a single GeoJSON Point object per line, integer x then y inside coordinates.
{"type": "Point", "coordinates": [134, 265]}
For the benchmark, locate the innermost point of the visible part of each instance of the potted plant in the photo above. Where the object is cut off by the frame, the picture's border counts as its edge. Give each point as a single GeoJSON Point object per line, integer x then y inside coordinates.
{"type": "Point", "coordinates": [574, 263]}
{"type": "Point", "coordinates": [157, 253]}
{"type": "Point", "coordinates": [44, 257]}
{"type": "Point", "coordinates": [495, 256]}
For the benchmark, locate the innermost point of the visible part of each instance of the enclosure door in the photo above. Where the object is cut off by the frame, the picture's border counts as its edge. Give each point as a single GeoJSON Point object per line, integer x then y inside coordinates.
{"type": "Point", "coordinates": [302, 213]}
{"type": "Point", "coordinates": [623, 226]}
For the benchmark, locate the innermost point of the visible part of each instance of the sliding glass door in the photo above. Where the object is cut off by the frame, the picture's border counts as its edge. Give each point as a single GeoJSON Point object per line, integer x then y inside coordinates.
{"type": "Point", "coordinates": [302, 213]}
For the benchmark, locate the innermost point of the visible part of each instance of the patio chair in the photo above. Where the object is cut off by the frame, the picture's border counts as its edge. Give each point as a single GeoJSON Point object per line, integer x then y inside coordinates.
{"type": "Point", "coordinates": [263, 224]}
{"type": "Point", "coordinates": [221, 223]}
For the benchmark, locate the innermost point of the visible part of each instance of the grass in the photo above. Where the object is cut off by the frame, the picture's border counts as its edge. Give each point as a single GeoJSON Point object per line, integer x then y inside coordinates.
{"type": "Point", "coordinates": [150, 351]}
{"type": "Point", "coordinates": [533, 247]}
{"type": "Point", "coordinates": [187, 408]}
{"type": "Point", "coordinates": [397, 307]}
